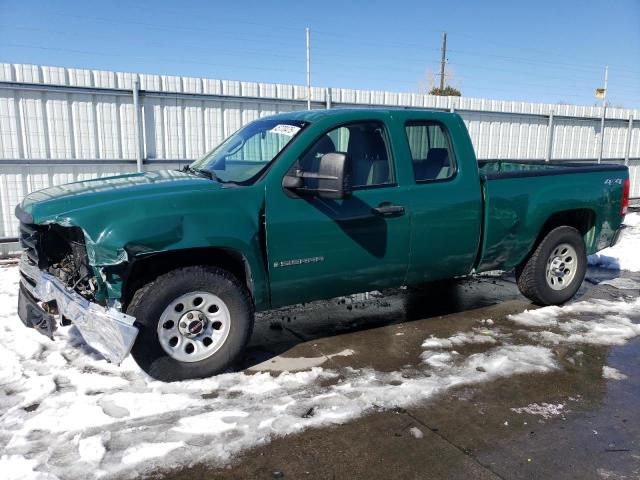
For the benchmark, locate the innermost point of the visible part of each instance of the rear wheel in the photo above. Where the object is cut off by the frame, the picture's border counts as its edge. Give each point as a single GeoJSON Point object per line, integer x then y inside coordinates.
{"type": "Point", "coordinates": [194, 322]}
{"type": "Point", "coordinates": [555, 270]}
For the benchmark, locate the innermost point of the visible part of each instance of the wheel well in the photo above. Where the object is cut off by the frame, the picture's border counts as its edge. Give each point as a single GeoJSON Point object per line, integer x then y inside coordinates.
{"type": "Point", "coordinates": [145, 269]}
{"type": "Point", "coordinates": [582, 219]}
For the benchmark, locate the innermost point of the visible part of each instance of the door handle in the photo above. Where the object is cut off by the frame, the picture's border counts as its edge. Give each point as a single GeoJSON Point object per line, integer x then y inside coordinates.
{"type": "Point", "coordinates": [388, 210]}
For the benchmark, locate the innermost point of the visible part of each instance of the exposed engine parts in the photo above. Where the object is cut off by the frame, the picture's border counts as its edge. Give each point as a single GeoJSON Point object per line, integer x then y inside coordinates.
{"type": "Point", "coordinates": [61, 251]}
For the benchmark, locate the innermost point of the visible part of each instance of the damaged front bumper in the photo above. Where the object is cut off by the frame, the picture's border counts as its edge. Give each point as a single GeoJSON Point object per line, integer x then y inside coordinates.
{"type": "Point", "coordinates": [44, 301]}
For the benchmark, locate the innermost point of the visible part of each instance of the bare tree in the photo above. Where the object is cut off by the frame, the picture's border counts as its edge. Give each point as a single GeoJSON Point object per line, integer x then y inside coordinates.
{"type": "Point", "coordinates": [429, 83]}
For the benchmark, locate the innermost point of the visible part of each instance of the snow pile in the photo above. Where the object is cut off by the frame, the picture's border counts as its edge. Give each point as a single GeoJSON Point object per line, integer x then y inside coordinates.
{"type": "Point", "coordinates": [596, 322]}
{"type": "Point", "coordinates": [626, 254]}
{"type": "Point", "coordinates": [459, 339]}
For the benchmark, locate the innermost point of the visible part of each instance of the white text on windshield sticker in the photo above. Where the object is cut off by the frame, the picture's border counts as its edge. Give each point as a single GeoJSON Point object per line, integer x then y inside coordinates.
{"type": "Point", "coordinates": [288, 130]}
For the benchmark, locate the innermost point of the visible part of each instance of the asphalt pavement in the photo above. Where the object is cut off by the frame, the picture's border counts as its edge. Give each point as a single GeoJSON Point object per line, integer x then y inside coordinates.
{"type": "Point", "coordinates": [586, 427]}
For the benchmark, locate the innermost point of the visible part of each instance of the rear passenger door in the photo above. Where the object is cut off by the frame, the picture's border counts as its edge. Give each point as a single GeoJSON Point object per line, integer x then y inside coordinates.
{"type": "Point", "coordinates": [446, 203]}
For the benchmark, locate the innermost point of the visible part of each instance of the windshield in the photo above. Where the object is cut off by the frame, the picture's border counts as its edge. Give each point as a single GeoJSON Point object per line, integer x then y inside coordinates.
{"type": "Point", "coordinates": [248, 151]}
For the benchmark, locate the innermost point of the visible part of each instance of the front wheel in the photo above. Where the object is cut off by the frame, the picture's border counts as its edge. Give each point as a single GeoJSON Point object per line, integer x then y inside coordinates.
{"type": "Point", "coordinates": [554, 272]}
{"type": "Point", "coordinates": [194, 323]}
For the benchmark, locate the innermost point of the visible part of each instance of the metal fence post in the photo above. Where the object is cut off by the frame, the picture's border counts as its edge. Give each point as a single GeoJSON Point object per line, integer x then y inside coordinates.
{"type": "Point", "coordinates": [627, 148]}
{"type": "Point", "coordinates": [549, 137]}
{"type": "Point", "coordinates": [308, 70]}
{"type": "Point", "coordinates": [327, 97]}
{"type": "Point", "coordinates": [136, 123]}
{"type": "Point", "coordinates": [601, 145]}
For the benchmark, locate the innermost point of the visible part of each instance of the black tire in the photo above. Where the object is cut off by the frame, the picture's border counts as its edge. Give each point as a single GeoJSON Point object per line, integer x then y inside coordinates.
{"type": "Point", "coordinates": [531, 275]}
{"type": "Point", "coordinates": [150, 301]}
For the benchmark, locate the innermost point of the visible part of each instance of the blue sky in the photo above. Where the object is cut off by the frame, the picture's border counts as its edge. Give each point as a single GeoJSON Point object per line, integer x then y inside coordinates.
{"type": "Point", "coordinates": [544, 51]}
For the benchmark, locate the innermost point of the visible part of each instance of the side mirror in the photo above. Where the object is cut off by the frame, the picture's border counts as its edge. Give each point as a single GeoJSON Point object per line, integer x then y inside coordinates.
{"type": "Point", "coordinates": [333, 179]}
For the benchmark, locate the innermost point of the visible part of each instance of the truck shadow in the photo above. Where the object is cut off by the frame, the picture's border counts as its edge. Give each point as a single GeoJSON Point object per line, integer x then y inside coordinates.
{"type": "Point", "coordinates": [356, 220]}
{"type": "Point", "coordinates": [278, 331]}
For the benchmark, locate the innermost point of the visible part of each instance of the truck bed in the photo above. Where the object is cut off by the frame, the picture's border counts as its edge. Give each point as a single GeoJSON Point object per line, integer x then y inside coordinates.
{"type": "Point", "coordinates": [493, 169]}
{"type": "Point", "coordinates": [519, 196]}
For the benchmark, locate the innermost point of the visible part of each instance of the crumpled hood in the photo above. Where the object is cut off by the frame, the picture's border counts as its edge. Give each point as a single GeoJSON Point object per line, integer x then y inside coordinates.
{"type": "Point", "coordinates": [53, 204]}
{"type": "Point", "coordinates": [130, 216]}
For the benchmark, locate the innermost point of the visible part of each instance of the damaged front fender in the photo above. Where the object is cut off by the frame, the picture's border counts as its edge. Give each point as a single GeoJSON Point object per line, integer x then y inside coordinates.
{"type": "Point", "coordinates": [181, 212]}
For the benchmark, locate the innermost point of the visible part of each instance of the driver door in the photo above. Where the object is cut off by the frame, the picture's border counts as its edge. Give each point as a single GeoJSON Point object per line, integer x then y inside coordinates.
{"type": "Point", "coordinates": [322, 248]}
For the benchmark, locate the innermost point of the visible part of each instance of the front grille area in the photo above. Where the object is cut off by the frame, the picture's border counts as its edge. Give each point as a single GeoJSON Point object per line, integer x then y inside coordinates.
{"type": "Point", "coordinates": [60, 251]}
{"type": "Point", "coordinates": [30, 242]}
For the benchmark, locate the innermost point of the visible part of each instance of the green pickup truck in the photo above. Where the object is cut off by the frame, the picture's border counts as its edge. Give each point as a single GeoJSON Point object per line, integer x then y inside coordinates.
{"type": "Point", "coordinates": [170, 266]}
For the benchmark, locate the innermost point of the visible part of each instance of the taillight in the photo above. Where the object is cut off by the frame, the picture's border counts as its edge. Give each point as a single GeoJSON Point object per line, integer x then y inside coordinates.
{"type": "Point", "coordinates": [625, 197]}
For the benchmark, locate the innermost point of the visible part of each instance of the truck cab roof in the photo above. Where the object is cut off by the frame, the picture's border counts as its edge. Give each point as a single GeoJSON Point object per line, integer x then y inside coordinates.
{"type": "Point", "coordinates": [346, 114]}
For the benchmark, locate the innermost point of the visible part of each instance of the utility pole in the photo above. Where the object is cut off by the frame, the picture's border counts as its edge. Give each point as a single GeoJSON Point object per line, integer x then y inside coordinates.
{"type": "Point", "coordinates": [308, 70]}
{"type": "Point", "coordinates": [604, 113]}
{"type": "Point", "coordinates": [444, 59]}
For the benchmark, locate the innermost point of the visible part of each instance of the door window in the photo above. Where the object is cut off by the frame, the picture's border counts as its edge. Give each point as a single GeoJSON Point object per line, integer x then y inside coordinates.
{"type": "Point", "coordinates": [431, 151]}
{"type": "Point", "coordinates": [367, 145]}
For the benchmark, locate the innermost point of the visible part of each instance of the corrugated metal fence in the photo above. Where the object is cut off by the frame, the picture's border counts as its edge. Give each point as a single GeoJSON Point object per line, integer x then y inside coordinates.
{"type": "Point", "coordinates": [59, 125]}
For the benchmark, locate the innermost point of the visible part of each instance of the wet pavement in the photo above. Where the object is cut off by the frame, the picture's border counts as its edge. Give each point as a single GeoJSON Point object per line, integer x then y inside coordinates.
{"type": "Point", "coordinates": [589, 426]}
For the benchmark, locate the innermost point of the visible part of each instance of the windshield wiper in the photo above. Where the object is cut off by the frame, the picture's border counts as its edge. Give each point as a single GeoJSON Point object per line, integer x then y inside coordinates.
{"type": "Point", "coordinates": [199, 171]}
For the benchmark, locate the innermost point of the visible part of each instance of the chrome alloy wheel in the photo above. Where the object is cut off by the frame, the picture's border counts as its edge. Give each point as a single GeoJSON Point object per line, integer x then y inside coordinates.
{"type": "Point", "coordinates": [561, 266]}
{"type": "Point", "coordinates": [194, 326]}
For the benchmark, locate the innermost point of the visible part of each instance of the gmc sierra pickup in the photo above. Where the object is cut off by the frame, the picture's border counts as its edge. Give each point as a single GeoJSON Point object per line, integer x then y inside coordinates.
{"type": "Point", "coordinates": [171, 265]}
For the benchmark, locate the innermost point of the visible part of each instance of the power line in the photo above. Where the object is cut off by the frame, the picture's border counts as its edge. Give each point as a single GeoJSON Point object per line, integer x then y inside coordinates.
{"type": "Point", "coordinates": [545, 52]}
{"type": "Point", "coordinates": [331, 34]}
{"type": "Point", "coordinates": [168, 60]}
{"type": "Point", "coordinates": [240, 51]}
{"type": "Point", "coordinates": [530, 62]}
{"type": "Point", "coordinates": [376, 40]}
{"type": "Point", "coordinates": [164, 27]}
{"type": "Point", "coordinates": [592, 79]}
{"type": "Point", "coordinates": [589, 86]}
{"type": "Point", "coordinates": [138, 57]}
{"type": "Point", "coordinates": [289, 27]}
{"type": "Point", "coordinates": [165, 44]}
{"type": "Point", "coordinates": [235, 34]}
{"type": "Point", "coordinates": [233, 19]}
{"type": "Point", "coordinates": [527, 60]}
{"type": "Point", "coordinates": [557, 66]}
{"type": "Point", "coordinates": [329, 55]}
{"type": "Point", "coordinates": [349, 56]}
{"type": "Point", "coordinates": [233, 52]}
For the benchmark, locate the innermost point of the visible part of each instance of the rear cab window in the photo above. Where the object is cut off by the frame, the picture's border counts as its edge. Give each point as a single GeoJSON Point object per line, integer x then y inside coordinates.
{"type": "Point", "coordinates": [431, 150]}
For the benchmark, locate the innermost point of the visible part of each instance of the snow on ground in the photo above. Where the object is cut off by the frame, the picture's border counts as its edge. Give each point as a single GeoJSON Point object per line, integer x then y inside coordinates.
{"type": "Point", "coordinates": [626, 254]}
{"type": "Point", "coordinates": [596, 322]}
{"type": "Point", "coordinates": [544, 410]}
{"type": "Point", "coordinates": [67, 413]}
{"type": "Point", "coordinates": [459, 339]}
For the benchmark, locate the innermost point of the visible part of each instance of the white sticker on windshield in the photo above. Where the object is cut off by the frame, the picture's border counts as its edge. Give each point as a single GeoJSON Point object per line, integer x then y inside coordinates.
{"type": "Point", "coordinates": [283, 129]}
